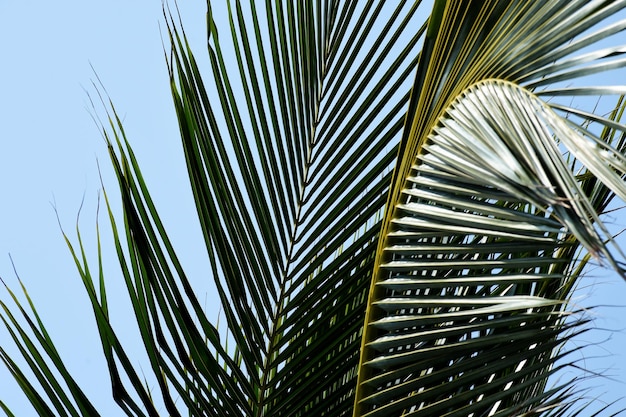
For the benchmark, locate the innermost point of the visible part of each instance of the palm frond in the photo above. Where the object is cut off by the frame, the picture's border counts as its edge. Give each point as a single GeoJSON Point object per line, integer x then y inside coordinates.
{"type": "Point", "coordinates": [479, 258]}
{"type": "Point", "coordinates": [481, 246]}
{"type": "Point", "coordinates": [62, 396]}
{"type": "Point", "coordinates": [290, 231]}
{"type": "Point", "coordinates": [266, 194]}
{"type": "Point", "coordinates": [380, 244]}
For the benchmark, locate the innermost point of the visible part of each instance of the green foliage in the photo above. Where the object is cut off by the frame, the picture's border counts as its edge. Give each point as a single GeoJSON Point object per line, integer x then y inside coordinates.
{"type": "Point", "coordinates": [380, 245]}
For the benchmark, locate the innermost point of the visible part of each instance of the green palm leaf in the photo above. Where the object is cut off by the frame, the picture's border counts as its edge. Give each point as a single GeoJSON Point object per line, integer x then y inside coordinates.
{"type": "Point", "coordinates": [379, 246]}
{"type": "Point", "coordinates": [487, 217]}
{"type": "Point", "coordinates": [293, 292]}
{"type": "Point", "coordinates": [476, 267]}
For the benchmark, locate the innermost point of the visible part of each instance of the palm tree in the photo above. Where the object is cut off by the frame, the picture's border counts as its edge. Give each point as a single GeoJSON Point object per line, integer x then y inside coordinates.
{"type": "Point", "coordinates": [381, 244]}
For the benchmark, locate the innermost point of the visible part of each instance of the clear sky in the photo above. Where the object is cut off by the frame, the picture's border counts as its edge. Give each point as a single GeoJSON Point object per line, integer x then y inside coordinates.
{"type": "Point", "coordinates": [49, 148]}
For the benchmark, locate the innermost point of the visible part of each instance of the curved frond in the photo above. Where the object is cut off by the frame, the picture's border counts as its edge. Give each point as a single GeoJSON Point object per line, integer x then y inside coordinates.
{"type": "Point", "coordinates": [479, 259]}
{"type": "Point", "coordinates": [487, 212]}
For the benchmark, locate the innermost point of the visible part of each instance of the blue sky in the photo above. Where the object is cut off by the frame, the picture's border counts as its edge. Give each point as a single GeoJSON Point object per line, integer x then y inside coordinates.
{"type": "Point", "coordinates": [50, 150]}
{"type": "Point", "coordinates": [50, 146]}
